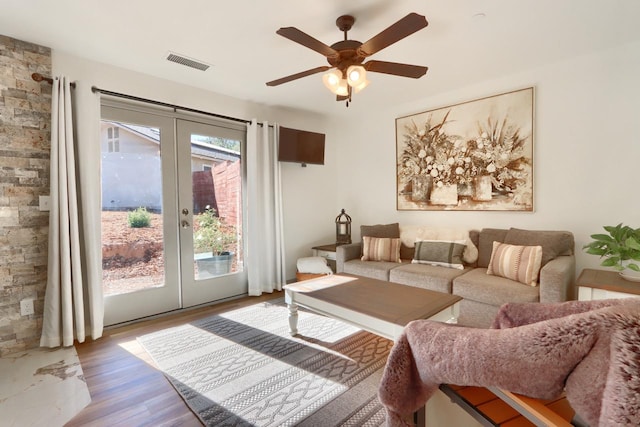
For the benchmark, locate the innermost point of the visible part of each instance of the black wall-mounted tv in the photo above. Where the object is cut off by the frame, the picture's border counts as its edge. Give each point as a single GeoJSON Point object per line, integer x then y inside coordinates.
{"type": "Point", "coordinates": [300, 146]}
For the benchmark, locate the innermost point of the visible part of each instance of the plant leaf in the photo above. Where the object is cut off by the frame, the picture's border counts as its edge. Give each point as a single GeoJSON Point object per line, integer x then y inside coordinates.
{"type": "Point", "coordinates": [602, 238]}
{"type": "Point", "coordinates": [632, 243]}
{"type": "Point", "coordinates": [611, 229]}
{"type": "Point", "coordinates": [596, 251]}
{"type": "Point", "coordinates": [622, 244]}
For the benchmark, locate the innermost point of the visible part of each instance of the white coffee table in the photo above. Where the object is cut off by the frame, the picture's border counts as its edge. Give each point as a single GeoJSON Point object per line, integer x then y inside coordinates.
{"type": "Point", "coordinates": [382, 308]}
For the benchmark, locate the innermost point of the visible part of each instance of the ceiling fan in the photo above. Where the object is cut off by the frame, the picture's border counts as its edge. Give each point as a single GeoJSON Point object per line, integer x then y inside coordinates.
{"type": "Point", "coordinates": [346, 57]}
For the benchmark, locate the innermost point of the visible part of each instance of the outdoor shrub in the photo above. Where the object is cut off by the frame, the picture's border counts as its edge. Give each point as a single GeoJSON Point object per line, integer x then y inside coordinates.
{"type": "Point", "coordinates": [139, 218]}
{"type": "Point", "coordinates": [212, 234]}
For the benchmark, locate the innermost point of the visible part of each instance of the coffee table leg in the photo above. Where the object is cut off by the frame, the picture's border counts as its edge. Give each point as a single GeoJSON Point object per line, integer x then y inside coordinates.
{"type": "Point", "coordinates": [293, 318]}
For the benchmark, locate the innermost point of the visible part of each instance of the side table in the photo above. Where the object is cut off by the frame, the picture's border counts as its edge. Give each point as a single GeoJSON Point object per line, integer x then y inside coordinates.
{"type": "Point", "coordinates": [328, 252]}
{"type": "Point", "coordinates": [595, 284]}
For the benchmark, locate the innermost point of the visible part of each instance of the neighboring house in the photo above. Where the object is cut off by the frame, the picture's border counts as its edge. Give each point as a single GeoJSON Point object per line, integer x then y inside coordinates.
{"type": "Point", "coordinates": [131, 172]}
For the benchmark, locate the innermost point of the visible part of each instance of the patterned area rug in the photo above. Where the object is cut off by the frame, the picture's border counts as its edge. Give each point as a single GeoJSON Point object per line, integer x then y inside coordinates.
{"type": "Point", "coordinates": [242, 368]}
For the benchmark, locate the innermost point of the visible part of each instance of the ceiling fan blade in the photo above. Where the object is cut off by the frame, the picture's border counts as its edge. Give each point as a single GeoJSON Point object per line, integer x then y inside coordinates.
{"type": "Point", "coordinates": [294, 34]}
{"type": "Point", "coordinates": [397, 69]}
{"type": "Point", "coordinates": [401, 29]}
{"type": "Point", "coordinates": [298, 75]}
{"type": "Point", "coordinates": [342, 97]}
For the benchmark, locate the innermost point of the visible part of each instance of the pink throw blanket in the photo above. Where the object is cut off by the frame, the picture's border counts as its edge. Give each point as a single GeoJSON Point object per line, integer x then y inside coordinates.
{"type": "Point", "coordinates": [590, 350]}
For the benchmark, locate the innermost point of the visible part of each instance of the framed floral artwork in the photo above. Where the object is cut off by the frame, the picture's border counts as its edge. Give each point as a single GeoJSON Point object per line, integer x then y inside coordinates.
{"type": "Point", "coordinates": [476, 155]}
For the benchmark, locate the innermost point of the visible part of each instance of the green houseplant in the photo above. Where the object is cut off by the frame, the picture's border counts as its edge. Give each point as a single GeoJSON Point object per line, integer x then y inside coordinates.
{"type": "Point", "coordinates": [212, 243]}
{"type": "Point", "coordinates": [620, 249]}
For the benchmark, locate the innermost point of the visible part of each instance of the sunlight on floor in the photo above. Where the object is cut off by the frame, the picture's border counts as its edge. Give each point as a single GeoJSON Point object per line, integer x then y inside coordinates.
{"type": "Point", "coordinates": [133, 347]}
{"type": "Point", "coordinates": [136, 349]}
{"type": "Point", "coordinates": [244, 366]}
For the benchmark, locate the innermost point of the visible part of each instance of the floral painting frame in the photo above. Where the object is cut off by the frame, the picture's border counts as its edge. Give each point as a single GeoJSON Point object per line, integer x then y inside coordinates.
{"type": "Point", "coordinates": [475, 155]}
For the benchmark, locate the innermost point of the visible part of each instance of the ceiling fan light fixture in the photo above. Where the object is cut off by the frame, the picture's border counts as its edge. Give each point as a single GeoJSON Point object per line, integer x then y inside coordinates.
{"type": "Point", "coordinates": [343, 88]}
{"type": "Point", "coordinates": [332, 79]}
{"type": "Point", "coordinates": [361, 86]}
{"type": "Point", "coordinates": [347, 74]}
{"type": "Point", "coordinates": [356, 75]}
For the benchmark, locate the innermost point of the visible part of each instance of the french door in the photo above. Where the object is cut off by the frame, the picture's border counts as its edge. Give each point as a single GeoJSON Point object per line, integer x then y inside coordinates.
{"type": "Point", "coordinates": [172, 211]}
{"type": "Point", "coordinates": [211, 210]}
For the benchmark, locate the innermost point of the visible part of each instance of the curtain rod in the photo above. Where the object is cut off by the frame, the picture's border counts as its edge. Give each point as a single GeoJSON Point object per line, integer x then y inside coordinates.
{"type": "Point", "coordinates": [164, 104]}
{"type": "Point", "coordinates": [40, 78]}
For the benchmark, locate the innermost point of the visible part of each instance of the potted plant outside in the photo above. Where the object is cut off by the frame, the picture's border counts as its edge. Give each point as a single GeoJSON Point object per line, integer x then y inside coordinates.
{"type": "Point", "coordinates": [212, 243]}
{"type": "Point", "coordinates": [620, 250]}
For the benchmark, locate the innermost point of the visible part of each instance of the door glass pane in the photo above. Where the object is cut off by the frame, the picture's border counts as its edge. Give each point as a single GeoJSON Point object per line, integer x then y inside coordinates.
{"type": "Point", "coordinates": [132, 233]}
{"type": "Point", "coordinates": [217, 208]}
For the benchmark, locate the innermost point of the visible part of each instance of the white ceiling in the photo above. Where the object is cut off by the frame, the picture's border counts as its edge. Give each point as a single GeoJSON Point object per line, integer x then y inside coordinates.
{"type": "Point", "coordinates": [238, 39]}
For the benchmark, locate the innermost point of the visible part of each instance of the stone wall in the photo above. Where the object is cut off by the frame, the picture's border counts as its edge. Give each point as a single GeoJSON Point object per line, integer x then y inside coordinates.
{"type": "Point", "coordinates": [25, 120]}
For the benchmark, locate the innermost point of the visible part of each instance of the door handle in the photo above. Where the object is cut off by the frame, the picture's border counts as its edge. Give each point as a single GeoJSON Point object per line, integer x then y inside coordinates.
{"type": "Point", "coordinates": [184, 223]}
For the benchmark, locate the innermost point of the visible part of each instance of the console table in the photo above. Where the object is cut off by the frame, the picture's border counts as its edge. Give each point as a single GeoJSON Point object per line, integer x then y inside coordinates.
{"type": "Point", "coordinates": [595, 284]}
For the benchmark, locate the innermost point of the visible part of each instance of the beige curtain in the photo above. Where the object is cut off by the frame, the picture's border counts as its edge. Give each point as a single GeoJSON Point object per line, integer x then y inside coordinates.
{"type": "Point", "coordinates": [265, 245]}
{"type": "Point", "coordinates": [66, 301]}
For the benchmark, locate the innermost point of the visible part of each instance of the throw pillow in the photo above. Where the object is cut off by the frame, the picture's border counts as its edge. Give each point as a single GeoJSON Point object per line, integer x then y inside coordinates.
{"type": "Point", "coordinates": [409, 234]}
{"type": "Point", "coordinates": [439, 252]}
{"type": "Point", "coordinates": [519, 263]}
{"type": "Point", "coordinates": [380, 249]}
{"type": "Point", "coordinates": [485, 244]}
{"type": "Point", "coordinates": [554, 243]}
{"type": "Point", "coordinates": [406, 252]}
{"type": "Point", "coordinates": [381, 230]}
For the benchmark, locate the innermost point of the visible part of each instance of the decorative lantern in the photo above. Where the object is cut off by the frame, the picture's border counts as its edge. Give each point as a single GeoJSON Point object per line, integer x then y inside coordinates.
{"type": "Point", "coordinates": [343, 228]}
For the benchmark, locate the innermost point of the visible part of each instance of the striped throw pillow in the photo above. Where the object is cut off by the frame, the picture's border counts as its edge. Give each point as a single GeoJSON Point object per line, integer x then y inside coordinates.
{"type": "Point", "coordinates": [519, 263]}
{"type": "Point", "coordinates": [439, 252]}
{"type": "Point", "coordinates": [380, 249]}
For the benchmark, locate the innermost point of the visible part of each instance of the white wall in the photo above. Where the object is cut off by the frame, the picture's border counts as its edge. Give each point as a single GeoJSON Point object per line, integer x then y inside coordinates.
{"type": "Point", "coordinates": [309, 193]}
{"type": "Point", "coordinates": [586, 151]}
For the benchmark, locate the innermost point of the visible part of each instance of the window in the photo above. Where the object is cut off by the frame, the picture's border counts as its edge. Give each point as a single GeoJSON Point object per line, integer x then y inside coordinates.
{"type": "Point", "coordinates": [113, 140]}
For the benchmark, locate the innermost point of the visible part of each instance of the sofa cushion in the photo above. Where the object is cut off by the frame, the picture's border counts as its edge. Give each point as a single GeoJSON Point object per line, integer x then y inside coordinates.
{"type": "Point", "coordinates": [409, 234]}
{"type": "Point", "coordinates": [474, 235]}
{"type": "Point", "coordinates": [438, 252]}
{"type": "Point", "coordinates": [391, 231]}
{"type": "Point", "coordinates": [519, 263]}
{"type": "Point", "coordinates": [426, 276]}
{"type": "Point", "coordinates": [406, 252]}
{"type": "Point", "coordinates": [476, 314]}
{"type": "Point", "coordinates": [477, 285]}
{"type": "Point", "coordinates": [380, 249]}
{"type": "Point", "coordinates": [381, 230]}
{"type": "Point", "coordinates": [485, 244]}
{"type": "Point", "coordinates": [554, 243]}
{"type": "Point", "coordinates": [375, 270]}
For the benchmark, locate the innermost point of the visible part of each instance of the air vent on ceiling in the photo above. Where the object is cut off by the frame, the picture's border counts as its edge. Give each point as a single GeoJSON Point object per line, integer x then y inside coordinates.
{"type": "Point", "coordinates": [181, 59]}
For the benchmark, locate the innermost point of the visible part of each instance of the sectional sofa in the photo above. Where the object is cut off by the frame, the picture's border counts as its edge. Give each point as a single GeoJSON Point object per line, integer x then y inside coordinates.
{"type": "Point", "coordinates": [487, 268]}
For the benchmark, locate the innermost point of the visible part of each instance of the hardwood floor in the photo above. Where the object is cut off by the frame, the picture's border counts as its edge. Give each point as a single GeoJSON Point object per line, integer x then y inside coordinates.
{"type": "Point", "coordinates": [127, 390]}
{"type": "Point", "coordinates": [125, 387]}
